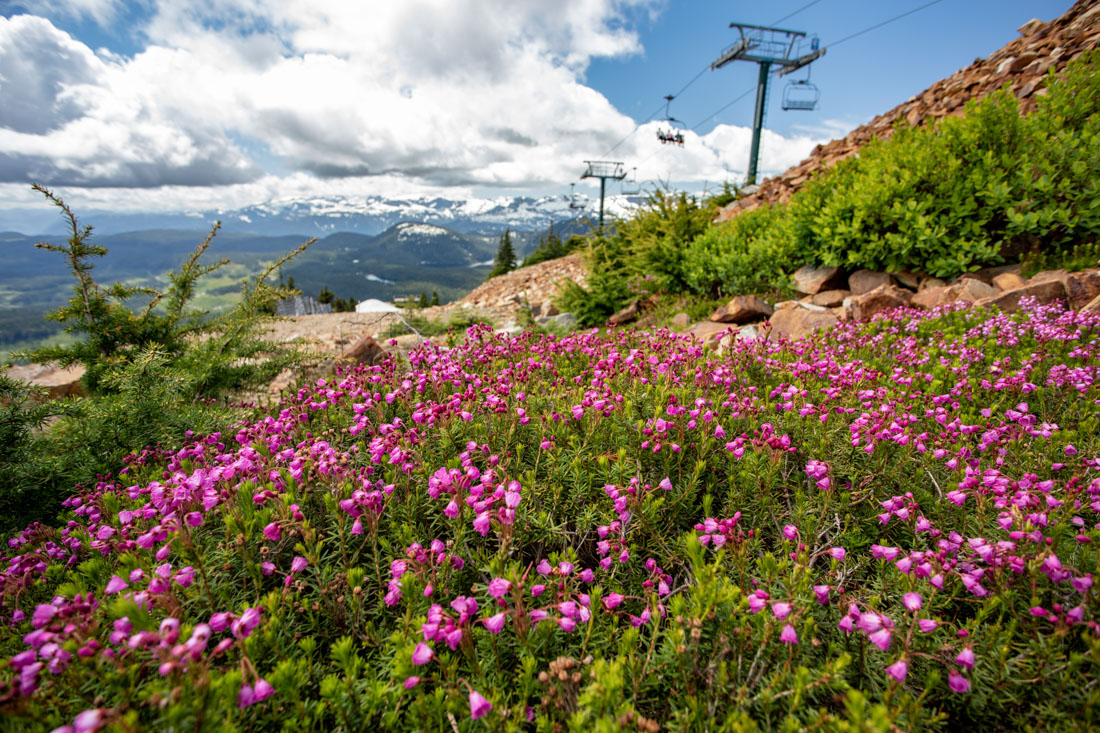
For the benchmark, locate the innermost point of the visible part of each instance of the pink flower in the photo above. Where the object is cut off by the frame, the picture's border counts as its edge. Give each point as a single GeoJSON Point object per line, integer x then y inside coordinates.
{"type": "Point", "coordinates": [452, 509]}
{"type": "Point", "coordinates": [881, 639]}
{"type": "Point", "coordinates": [537, 590]}
{"type": "Point", "coordinates": [837, 553]}
{"type": "Point", "coordinates": [788, 635]}
{"type": "Point", "coordinates": [965, 658]}
{"type": "Point", "coordinates": [498, 587]}
{"type": "Point", "coordinates": [479, 706]}
{"type": "Point", "coordinates": [246, 696]}
{"type": "Point", "coordinates": [665, 484]}
{"type": "Point", "coordinates": [898, 670]}
{"type": "Point", "coordinates": [912, 601]}
{"type": "Point", "coordinates": [411, 682]}
{"type": "Point", "coordinates": [790, 532]}
{"type": "Point", "coordinates": [262, 690]}
{"type": "Point", "coordinates": [87, 721]}
{"type": "Point", "coordinates": [495, 624]}
{"type": "Point", "coordinates": [822, 592]}
{"type": "Point", "coordinates": [928, 625]}
{"type": "Point", "coordinates": [958, 683]}
{"type": "Point", "coordinates": [612, 601]}
{"type": "Point", "coordinates": [422, 654]}
{"type": "Point", "coordinates": [781, 610]}
{"type": "Point", "coordinates": [116, 585]}
{"type": "Point", "coordinates": [298, 564]}
{"type": "Point", "coordinates": [273, 532]}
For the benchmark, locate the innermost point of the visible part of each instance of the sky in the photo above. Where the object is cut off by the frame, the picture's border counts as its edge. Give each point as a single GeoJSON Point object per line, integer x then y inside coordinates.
{"type": "Point", "coordinates": [174, 105]}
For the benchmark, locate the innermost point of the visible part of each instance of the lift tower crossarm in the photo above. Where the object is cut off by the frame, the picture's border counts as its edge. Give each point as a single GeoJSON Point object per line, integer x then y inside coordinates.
{"type": "Point", "coordinates": [604, 169]}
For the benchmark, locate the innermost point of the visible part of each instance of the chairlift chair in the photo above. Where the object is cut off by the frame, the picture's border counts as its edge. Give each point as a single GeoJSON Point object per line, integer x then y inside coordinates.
{"type": "Point", "coordinates": [573, 199]}
{"type": "Point", "coordinates": [801, 95]}
{"type": "Point", "coordinates": [674, 135]}
{"type": "Point", "coordinates": [630, 185]}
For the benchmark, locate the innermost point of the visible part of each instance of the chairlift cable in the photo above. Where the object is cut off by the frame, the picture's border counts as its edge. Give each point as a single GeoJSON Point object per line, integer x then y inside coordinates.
{"type": "Point", "coordinates": [868, 29]}
{"type": "Point", "coordinates": [791, 15]}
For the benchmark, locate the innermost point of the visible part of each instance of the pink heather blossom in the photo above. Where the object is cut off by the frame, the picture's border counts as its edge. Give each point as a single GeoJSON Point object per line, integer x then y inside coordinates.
{"type": "Point", "coordinates": [479, 706]}
{"type": "Point", "coordinates": [411, 682]}
{"type": "Point", "coordinates": [837, 553]}
{"type": "Point", "coordinates": [88, 721]}
{"type": "Point", "coordinates": [912, 601]}
{"type": "Point", "coordinates": [262, 690]}
{"type": "Point", "coordinates": [115, 585]}
{"type": "Point", "coordinates": [928, 625]}
{"type": "Point", "coordinates": [898, 670]}
{"type": "Point", "coordinates": [273, 532]}
{"type": "Point", "coordinates": [958, 683]}
{"type": "Point", "coordinates": [537, 590]}
{"type": "Point", "coordinates": [822, 593]}
{"type": "Point", "coordinates": [613, 600]}
{"type": "Point", "coordinates": [965, 658]}
{"type": "Point", "coordinates": [422, 654]}
{"type": "Point", "coordinates": [781, 610]}
{"type": "Point", "coordinates": [246, 696]}
{"type": "Point", "coordinates": [452, 509]}
{"type": "Point", "coordinates": [881, 639]}
{"type": "Point", "coordinates": [665, 484]}
{"type": "Point", "coordinates": [298, 564]}
{"type": "Point", "coordinates": [790, 532]}
{"type": "Point", "coordinates": [498, 587]}
{"type": "Point", "coordinates": [495, 624]}
{"type": "Point", "coordinates": [788, 635]}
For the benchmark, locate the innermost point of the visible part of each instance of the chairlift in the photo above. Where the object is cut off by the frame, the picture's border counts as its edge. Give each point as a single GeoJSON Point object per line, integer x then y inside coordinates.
{"type": "Point", "coordinates": [630, 185]}
{"type": "Point", "coordinates": [674, 135]}
{"type": "Point", "coordinates": [801, 94]}
{"type": "Point", "coordinates": [573, 199]}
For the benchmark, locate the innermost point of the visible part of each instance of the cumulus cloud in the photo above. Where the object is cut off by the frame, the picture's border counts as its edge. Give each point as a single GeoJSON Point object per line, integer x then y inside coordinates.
{"type": "Point", "coordinates": [436, 93]}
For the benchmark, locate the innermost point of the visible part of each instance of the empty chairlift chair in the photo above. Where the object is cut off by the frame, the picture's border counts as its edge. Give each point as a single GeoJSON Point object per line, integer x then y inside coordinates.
{"type": "Point", "coordinates": [801, 95]}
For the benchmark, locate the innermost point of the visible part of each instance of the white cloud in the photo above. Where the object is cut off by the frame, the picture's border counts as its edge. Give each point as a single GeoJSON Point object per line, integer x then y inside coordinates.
{"type": "Point", "coordinates": [329, 95]}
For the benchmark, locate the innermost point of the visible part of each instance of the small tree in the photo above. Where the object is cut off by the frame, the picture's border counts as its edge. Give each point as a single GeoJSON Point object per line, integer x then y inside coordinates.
{"type": "Point", "coordinates": [435, 298]}
{"type": "Point", "coordinates": [326, 296]}
{"type": "Point", "coordinates": [423, 302]}
{"type": "Point", "coordinates": [506, 256]}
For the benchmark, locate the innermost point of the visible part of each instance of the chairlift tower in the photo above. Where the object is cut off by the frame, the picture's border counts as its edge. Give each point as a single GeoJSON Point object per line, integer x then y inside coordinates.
{"type": "Point", "coordinates": [766, 47]}
{"type": "Point", "coordinates": [604, 169]}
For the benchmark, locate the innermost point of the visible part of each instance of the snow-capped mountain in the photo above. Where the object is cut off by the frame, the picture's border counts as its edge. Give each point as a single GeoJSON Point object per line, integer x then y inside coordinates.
{"type": "Point", "coordinates": [319, 216]}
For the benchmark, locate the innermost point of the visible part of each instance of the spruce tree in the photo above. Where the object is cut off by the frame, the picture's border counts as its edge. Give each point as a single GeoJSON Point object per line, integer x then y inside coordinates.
{"type": "Point", "coordinates": [435, 298]}
{"type": "Point", "coordinates": [506, 255]}
{"type": "Point", "coordinates": [423, 299]}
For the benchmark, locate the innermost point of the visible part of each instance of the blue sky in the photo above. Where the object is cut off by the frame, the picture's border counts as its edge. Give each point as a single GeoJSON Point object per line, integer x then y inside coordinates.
{"type": "Point", "coordinates": [177, 104]}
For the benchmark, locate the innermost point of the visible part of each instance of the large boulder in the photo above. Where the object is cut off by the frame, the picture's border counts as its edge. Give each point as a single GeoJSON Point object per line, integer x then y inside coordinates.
{"type": "Point", "coordinates": [626, 315]}
{"type": "Point", "coordinates": [864, 281]}
{"type": "Point", "coordinates": [58, 383]}
{"type": "Point", "coordinates": [1008, 281]}
{"type": "Point", "coordinates": [795, 323]}
{"type": "Point", "coordinates": [1082, 287]}
{"type": "Point", "coordinates": [883, 298]}
{"type": "Point", "coordinates": [930, 297]}
{"type": "Point", "coordinates": [830, 298]}
{"type": "Point", "coordinates": [1046, 291]}
{"type": "Point", "coordinates": [364, 351]}
{"type": "Point", "coordinates": [1093, 306]}
{"type": "Point", "coordinates": [742, 309]}
{"type": "Point", "coordinates": [707, 331]}
{"type": "Point", "coordinates": [970, 290]}
{"type": "Point", "coordinates": [812, 280]}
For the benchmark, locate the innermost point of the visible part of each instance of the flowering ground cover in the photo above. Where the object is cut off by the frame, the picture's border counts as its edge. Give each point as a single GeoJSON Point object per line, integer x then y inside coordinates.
{"type": "Point", "coordinates": [891, 524]}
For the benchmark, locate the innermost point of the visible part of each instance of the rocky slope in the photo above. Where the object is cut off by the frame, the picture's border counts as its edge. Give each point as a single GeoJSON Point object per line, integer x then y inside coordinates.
{"type": "Point", "coordinates": [1021, 64]}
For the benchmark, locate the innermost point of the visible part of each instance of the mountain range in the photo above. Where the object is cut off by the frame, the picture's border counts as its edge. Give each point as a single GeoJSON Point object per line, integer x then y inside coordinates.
{"type": "Point", "coordinates": [319, 216]}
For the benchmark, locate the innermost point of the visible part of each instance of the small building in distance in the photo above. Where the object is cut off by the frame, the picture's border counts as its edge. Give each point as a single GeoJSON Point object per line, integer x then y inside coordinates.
{"type": "Point", "coordinates": [373, 305]}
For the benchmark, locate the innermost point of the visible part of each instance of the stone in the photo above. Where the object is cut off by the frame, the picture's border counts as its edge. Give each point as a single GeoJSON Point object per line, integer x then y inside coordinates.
{"type": "Point", "coordinates": [812, 280]}
{"type": "Point", "coordinates": [970, 290]}
{"type": "Point", "coordinates": [742, 309]}
{"type": "Point", "coordinates": [745, 333]}
{"type": "Point", "coordinates": [626, 315]}
{"type": "Point", "coordinates": [1046, 291]}
{"type": "Point", "coordinates": [795, 323]}
{"type": "Point", "coordinates": [562, 320]}
{"type": "Point", "coordinates": [680, 320]}
{"type": "Point", "coordinates": [929, 298]}
{"type": "Point", "coordinates": [908, 279]}
{"type": "Point", "coordinates": [1047, 275]}
{"type": "Point", "coordinates": [883, 298]}
{"type": "Point", "coordinates": [931, 282]}
{"type": "Point", "coordinates": [57, 382]}
{"type": "Point", "coordinates": [707, 331]}
{"type": "Point", "coordinates": [364, 351]}
{"type": "Point", "coordinates": [1082, 287]}
{"type": "Point", "coordinates": [830, 298]}
{"type": "Point", "coordinates": [1008, 281]}
{"type": "Point", "coordinates": [785, 304]}
{"type": "Point", "coordinates": [1093, 306]}
{"type": "Point", "coordinates": [549, 309]}
{"type": "Point", "coordinates": [864, 281]}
